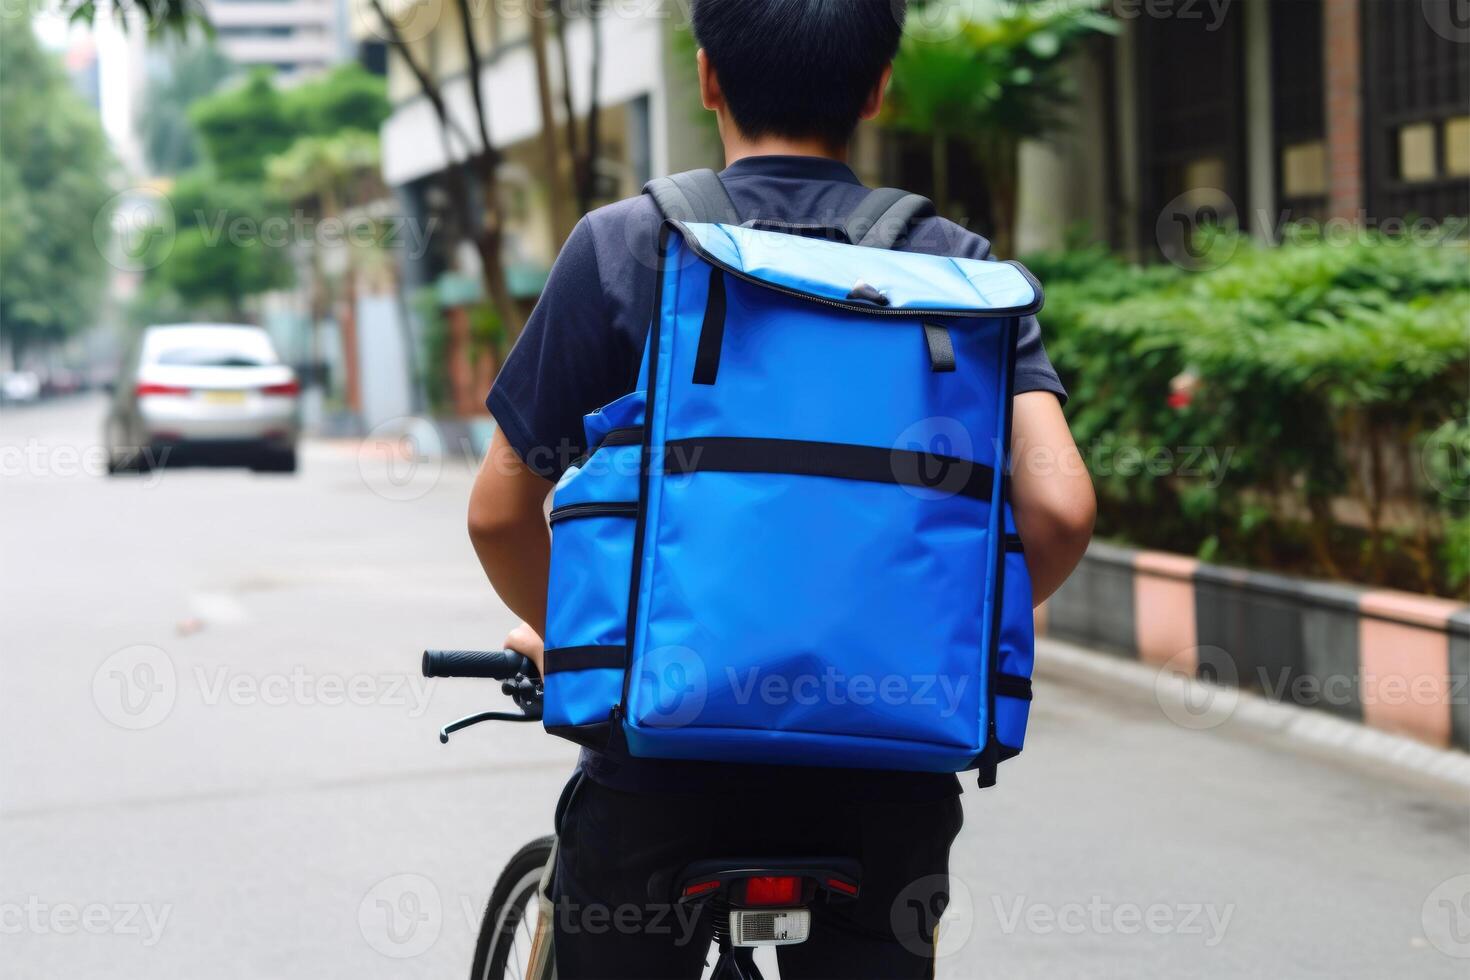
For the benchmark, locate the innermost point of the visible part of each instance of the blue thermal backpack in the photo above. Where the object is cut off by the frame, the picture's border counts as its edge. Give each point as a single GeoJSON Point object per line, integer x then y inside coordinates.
{"type": "Point", "coordinates": [792, 543]}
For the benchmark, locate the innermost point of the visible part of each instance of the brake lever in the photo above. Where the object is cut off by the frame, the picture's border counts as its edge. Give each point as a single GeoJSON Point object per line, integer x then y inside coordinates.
{"type": "Point", "coordinates": [485, 716]}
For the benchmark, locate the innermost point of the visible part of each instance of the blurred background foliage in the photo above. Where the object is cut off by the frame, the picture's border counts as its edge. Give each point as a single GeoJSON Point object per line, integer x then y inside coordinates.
{"type": "Point", "coordinates": [54, 170]}
{"type": "Point", "coordinates": [1325, 370]}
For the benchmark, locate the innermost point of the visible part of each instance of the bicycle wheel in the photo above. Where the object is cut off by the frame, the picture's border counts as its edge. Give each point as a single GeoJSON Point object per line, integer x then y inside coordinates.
{"type": "Point", "coordinates": [508, 930]}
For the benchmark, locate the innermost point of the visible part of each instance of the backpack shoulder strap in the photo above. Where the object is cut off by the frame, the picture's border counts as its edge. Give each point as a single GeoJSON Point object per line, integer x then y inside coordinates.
{"type": "Point", "coordinates": [696, 196]}
{"type": "Point", "coordinates": [885, 216]}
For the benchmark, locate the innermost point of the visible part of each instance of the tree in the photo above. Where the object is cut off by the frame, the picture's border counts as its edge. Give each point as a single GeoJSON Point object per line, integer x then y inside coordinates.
{"type": "Point", "coordinates": [225, 249]}
{"type": "Point", "coordinates": [323, 175]}
{"type": "Point", "coordinates": [349, 97]}
{"type": "Point", "coordinates": [988, 74]}
{"type": "Point", "coordinates": [243, 126]}
{"type": "Point", "coordinates": [192, 69]}
{"type": "Point", "coordinates": [484, 228]}
{"type": "Point", "coordinates": [54, 165]}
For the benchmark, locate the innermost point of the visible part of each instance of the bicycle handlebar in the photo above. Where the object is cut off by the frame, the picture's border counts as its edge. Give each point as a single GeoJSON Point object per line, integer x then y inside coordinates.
{"type": "Point", "coordinates": [501, 665]}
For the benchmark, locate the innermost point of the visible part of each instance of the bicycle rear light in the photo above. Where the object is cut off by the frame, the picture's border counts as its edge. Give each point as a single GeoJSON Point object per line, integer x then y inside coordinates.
{"type": "Point", "coordinates": [769, 927]}
{"type": "Point", "coordinates": [783, 890]}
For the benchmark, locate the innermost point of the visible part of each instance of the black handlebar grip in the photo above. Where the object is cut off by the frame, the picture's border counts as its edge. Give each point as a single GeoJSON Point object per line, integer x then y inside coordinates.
{"type": "Point", "coordinates": [497, 666]}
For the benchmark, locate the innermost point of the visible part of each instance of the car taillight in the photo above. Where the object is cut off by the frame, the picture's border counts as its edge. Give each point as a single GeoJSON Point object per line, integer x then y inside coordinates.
{"type": "Point", "coordinates": [772, 891]}
{"type": "Point", "coordinates": [284, 388]}
{"type": "Point", "coordinates": [153, 388]}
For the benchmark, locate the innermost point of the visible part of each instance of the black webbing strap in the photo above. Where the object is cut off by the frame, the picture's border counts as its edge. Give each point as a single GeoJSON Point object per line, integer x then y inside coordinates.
{"type": "Point", "coordinates": [696, 196]}
{"type": "Point", "coordinates": [885, 216]}
{"type": "Point", "coordinates": [941, 347]}
{"type": "Point", "coordinates": [843, 461]}
{"type": "Point", "coordinates": [1013, 686]}
{"type": "Point", "coordinates": [712, 334]}
{"type": "Point", "coordinates": [569, 659]}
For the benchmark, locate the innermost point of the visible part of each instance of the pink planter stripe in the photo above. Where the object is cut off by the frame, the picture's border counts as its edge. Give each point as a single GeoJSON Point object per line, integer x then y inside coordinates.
{"type": "Point", "coordinates": [1404, 652]}
{"type": "Point", "coordinates": [1163, 610]}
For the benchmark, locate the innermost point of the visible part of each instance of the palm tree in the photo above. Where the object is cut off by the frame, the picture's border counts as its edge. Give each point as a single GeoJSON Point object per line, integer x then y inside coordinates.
{"type": "Point", "coordinates": [987, 74]}
{"type": "Point", "coordinates": [325, 175]}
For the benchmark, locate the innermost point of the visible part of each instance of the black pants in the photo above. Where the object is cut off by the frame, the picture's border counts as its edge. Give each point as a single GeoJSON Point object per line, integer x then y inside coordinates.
{"type": "Point", "coordinates": [620, 852]}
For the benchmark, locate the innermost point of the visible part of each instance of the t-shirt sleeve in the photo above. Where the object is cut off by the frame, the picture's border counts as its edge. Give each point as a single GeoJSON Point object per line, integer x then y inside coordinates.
{"type": "Point", "coordinates": [1034, 371]}
{"type": "Point", "coordinates": [563, 366]}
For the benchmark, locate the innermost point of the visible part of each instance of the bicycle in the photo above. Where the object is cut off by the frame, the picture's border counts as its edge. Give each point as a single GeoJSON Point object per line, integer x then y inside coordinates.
{"type": "Point", "coordinates": [754, 902]}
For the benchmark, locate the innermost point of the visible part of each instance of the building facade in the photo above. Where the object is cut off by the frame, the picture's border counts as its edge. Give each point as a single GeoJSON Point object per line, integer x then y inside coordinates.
{"type": "Point", "coordinates": [291, 37]}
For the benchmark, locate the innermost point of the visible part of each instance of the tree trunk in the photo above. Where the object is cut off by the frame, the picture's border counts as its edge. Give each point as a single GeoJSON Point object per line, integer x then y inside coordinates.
{"type": "Point", "coordinates": [557, 199]}
{"type": "Point", "coordinates": [939, 149]}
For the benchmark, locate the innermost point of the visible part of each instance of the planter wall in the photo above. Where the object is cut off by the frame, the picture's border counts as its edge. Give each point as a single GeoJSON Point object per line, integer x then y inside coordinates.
{"type": "Point", "coordinates": [1393, 660]}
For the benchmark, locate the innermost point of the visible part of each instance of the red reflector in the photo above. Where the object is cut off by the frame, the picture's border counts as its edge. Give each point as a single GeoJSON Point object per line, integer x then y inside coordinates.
{"type": "Point", "coordinates": [151, 388]}
{"type": "Point", "coordinates": [772, 891]}
{"type": "Point", "coordinates": [845, 887]}
{"type": "Point", "coordinates": [699, 888]}
{"type": "Point", "coordinates": [286, 388]}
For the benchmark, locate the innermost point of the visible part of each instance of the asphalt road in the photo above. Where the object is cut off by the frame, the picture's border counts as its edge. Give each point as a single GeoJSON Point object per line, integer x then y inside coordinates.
{"type": "Point", "coordinates": [216, 760]}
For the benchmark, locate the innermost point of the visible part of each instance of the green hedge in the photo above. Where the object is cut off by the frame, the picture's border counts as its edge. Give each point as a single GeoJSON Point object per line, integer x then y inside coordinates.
{"type": "Point", "coordinates": [1318, 398]}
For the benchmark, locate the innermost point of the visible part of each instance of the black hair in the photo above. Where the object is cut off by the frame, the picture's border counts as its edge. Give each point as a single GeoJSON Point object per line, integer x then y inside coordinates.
{"type": "Point", "coordinates": [798, 68]}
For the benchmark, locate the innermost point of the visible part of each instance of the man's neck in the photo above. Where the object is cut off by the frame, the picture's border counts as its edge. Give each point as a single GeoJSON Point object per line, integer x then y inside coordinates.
{"type": "Point", "coordinates": [740, 148]}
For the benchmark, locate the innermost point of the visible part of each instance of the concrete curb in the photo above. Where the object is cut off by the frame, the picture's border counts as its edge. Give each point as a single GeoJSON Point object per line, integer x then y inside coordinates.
{"type": "Point", "coordinates": [1179, 696]}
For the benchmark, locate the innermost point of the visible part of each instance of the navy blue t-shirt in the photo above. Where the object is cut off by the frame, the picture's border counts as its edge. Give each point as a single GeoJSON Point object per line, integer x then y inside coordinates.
{"type": "Point", "coordinates": [582, 347]}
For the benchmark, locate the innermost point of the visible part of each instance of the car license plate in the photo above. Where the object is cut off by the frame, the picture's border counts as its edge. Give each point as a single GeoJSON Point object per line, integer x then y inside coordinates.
{"type": "Point", "coordinates": [224, 397]}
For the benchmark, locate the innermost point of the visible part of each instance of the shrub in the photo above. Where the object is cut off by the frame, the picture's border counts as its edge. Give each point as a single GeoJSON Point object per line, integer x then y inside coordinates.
{"type": "Point", "coordinates": [1306, 378]}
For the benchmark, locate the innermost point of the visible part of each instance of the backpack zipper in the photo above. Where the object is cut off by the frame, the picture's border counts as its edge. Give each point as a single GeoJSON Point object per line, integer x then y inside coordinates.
{"type": "Point", "coordinates": [572, 512]}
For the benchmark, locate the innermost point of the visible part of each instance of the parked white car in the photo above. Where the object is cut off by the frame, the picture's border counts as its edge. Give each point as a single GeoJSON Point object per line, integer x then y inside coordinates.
{"type": "Point", "coordinates": [204, 393]}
